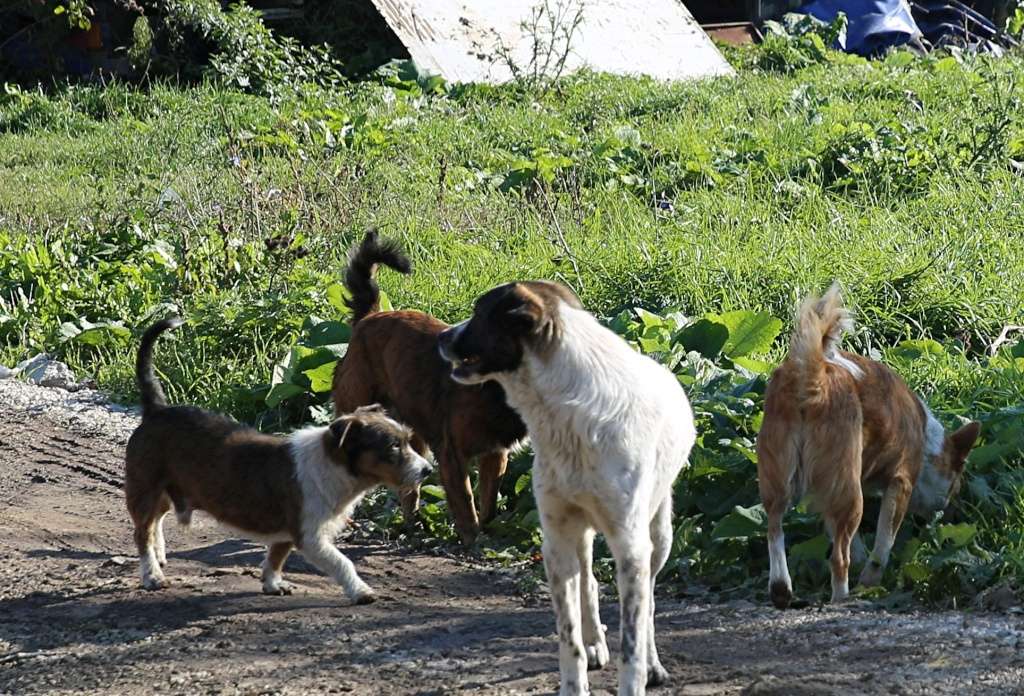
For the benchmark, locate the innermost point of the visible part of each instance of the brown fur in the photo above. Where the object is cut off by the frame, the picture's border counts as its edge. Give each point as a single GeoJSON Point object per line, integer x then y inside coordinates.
{"type": "Point", "coordinates": [393, 359]}
{"type": "Point", "coordinates": [827, 432]}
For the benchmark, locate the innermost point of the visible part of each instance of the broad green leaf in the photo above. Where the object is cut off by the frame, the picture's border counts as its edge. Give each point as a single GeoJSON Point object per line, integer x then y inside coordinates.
{"type": "Point", "coordinates": [435, 492]}
{"type": "Point", "coordinates": [915, 572]}
{"type": "Point", "coordinates": [960, 534]}
{"type": "Point", "coordinates": [741, 523]}
{"type": "Point", "coordinates": [815, 549]}
{"type": "Point", "coordinates": [385, 303]}
{"type": "Point", "coordinates": [321, 378]}
{"type": "Point", "coordinates": [282, 391]}
{"type": "Point", "coordinates": [327, 333]}
{"type": "Point", "coordinates": [749, 332]}
{"type": "Point", "coordinates": [759, 366]}
{"type": "Point", "coordinates": [336, 295]}
{"type": "Point", "coordinates": [705, 337]}
{"type": "Point", "coordinates": [916, 348]}
{"type": "Point", "coordinates": [523, 482]}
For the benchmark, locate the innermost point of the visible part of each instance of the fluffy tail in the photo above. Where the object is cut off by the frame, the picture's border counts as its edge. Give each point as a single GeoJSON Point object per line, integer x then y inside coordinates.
{"type": "Point", "coordinates": [820, 324]}
{"type": "Point", "coordinates": [149, 386]}
{"type": "Point", "coordinates": [360, 277]}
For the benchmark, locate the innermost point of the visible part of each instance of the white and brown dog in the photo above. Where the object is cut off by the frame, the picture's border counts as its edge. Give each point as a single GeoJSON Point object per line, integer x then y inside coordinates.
{"type": "Point", "coordinates": [287, 492]}
{"type": "Point", "coordinates": [835, 421]}
{"type": "Point", "coordinates": [611, 429]}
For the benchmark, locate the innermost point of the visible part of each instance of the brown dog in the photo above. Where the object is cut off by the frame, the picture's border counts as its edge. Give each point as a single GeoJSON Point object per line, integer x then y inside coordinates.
{"type": "Point", "coordinates": [393, 360]}
{"type": "Point", "coordinates": [834, 421]}
{"type": "Point", "coordinates": [288, 492]}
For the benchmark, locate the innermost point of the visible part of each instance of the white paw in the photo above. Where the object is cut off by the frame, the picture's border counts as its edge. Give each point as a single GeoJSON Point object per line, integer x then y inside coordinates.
{"type": "Point", "coordinates": [365, 596]}
{"type": "Point", "coordinates": [597, 655]}
{"type": "Point", "coordinates": [656, 675]}
{"type": "Point", "coordinates": [154, 582]}
{"type": "Point", "coordinates": [279, 588]}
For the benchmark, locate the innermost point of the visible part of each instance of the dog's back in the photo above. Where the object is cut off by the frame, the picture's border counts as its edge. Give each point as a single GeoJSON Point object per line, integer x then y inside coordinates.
{"type": "Point", "coordinates": [840, 417]}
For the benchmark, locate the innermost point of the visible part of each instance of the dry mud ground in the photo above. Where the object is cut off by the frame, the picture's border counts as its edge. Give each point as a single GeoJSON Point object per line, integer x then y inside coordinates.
{"type": "Point", "coordinates": [73, 618]}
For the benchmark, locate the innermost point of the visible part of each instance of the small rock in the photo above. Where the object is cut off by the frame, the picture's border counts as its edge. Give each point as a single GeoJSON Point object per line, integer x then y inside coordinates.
{"type": "Point", "coordinates": [115, 561]}
{"type": "Point", "coordinates": [999, 598]}
{"type": "Point", "coordinates": [45, 372]}
{"type": "Point", "coordinates": [6, 372]}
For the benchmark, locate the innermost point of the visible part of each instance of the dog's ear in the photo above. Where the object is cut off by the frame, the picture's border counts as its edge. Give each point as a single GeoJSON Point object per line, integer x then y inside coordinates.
{"type": "Point", "coordinates": [522, 310]}
{"type": "Point", "coordinates": [964, 439]}
{"type": "Point", "coordinates": [341, 429]}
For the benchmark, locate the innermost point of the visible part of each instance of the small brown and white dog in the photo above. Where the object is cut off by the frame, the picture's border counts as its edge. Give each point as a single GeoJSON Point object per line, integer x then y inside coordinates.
{"type": "Point", "coordinates": [835, 422]}
{"type": "Point", "coordinates": [392, 359]}
{"type": "Point", "coordinates": [294, 491]}
{"type": "Point", "coordinates": [611, 429]}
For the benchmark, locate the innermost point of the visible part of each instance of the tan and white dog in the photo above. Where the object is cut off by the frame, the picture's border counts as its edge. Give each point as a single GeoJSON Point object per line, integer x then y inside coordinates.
{"type": "Point", "coordinates": [289, 492]}
{"type": "Point", "coordinates": [834, 422]}
{"type": "Point", "coordinates": [610, 429]}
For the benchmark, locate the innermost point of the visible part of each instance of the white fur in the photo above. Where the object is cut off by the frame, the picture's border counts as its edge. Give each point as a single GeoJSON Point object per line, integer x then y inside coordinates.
{"type": "Point", "coordinates": [329, 493]}
{"type": "Point", "coordinates": [778, 568]}
{"type": "Point", "coordinates": [931, 490]}
{"type": "Point", "coordinates": [833, 356]}
{"type": "Point", "coordinates": [610, 429]}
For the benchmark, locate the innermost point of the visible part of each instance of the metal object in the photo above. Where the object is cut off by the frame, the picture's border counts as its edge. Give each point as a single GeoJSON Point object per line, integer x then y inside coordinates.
{"type": "Point", "coordinates": [735, 33]}
{"type": "Point", "coordinates": [492, 40]}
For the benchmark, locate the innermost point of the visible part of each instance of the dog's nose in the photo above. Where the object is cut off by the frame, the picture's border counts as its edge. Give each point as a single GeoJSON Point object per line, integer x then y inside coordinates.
{"type": "Point", "coordinates": [425, 472]}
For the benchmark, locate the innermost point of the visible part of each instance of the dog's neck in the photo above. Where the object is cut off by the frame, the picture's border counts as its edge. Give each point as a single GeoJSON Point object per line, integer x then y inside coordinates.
{"type": "Point", "coordinates": [573, 386]}
{"type": "Point", "coordinates": [335, 486]}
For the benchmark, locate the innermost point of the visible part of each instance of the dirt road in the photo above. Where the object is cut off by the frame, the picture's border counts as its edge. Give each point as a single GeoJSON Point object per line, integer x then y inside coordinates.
{"type": "Point", "coordinates": [73, 618]}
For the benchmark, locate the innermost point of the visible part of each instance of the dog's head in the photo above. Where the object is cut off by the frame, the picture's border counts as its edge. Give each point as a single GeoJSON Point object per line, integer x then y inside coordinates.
{"type": "Point", "coordinates": [507, 321]}
{"type": "Point", "coordinates": [377, 448]}
{"type": "Point", "coordinates": [938, 483]}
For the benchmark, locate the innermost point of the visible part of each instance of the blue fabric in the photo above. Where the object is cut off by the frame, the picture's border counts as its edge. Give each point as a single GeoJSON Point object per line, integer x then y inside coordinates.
{"type": "Point", "coordinates": [872, 25]}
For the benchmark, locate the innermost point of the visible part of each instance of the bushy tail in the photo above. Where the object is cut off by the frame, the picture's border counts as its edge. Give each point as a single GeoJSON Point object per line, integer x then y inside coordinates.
{"type": "Point", "coordinates": [149, 386]}
{"type": "Point", "coordinates": [820, 324]}
{"type": "Point", "coordinates": [360, 277]}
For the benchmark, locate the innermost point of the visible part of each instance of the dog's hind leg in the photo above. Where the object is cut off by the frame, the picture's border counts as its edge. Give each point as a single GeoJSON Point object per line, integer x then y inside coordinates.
{"type": "Point", "coordinates": [492, 467]}
{"type": "Point", "coordinates": [593, 631]}
{"type": "Point", "coordinates": [661, 541]}
{"type": "Point", "coordinates": [146, 511]}
{"type": "Point", "coordinates": [160, 546]}
{"type": "Point", "coordinates": [322, 553]}
{"type": "Point", "coordinates": [778, 460]}
{"type": "Point", "coordinates": [894, 507]}
{"type": "Point", "coordinates": [455, 479]}
{"type": "Point", "coordinates": [411, 499]}
{"type": "Point", "coordinates": [272, 565]}
{"type": "Point", "coordinates": [633, 552]}
{"type": "Point", "coordinates": [564, 528]}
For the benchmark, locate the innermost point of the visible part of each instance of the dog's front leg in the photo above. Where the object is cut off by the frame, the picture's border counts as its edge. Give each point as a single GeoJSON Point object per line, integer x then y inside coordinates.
{"type": "Point", "coordinates": [890, 516]}
{"type": "Point", "coordinates": [323, 554]}
{"type": "Point", "coordinates": [633, 553]}
{"type": "Point", "coordinates": [272, 565]}
{"type": "Point", "coordinates": [593, 631]}
{"type": "Point", "coordinates": [562, 536]}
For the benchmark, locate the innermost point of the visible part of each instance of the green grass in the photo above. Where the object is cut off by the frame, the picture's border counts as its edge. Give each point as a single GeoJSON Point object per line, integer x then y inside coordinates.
{"type": "Point", "coordinates": [897, 178]}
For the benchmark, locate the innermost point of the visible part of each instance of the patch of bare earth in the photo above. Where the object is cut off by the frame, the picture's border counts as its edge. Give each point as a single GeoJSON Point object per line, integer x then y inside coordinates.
{"type": "Point", "coordinates": [73, 618]}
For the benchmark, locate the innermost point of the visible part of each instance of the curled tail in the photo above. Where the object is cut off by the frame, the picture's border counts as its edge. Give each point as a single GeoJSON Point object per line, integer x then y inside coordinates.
{"type": "Point", "coordinates": [149, 386]}
{"type": "Point", "coordinates": [360, 277]}
{"type": "Point", "coordinates": [820, 325]}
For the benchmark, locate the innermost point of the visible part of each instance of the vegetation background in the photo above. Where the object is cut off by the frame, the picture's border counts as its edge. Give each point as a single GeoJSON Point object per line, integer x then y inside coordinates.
{"type": "Point", "coordinates": [692, 217]}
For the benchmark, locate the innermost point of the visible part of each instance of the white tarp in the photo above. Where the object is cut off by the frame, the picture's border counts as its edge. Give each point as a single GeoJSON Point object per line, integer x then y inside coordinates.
{"type": "Point", "coordinates": [463, 40]}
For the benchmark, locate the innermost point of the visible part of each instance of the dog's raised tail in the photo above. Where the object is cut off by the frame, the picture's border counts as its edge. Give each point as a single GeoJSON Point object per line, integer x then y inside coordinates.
{"type": "Point", "coordinates": [149, 386]}
{"type": "Point", "coordinates": [361, 275]}
{"type": "Point", "coordinates": [820, 325]}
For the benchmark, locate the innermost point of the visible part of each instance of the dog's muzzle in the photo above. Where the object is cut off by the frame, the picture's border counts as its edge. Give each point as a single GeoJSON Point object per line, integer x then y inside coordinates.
{"type": "Point", "coordinates": [423, 469]}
